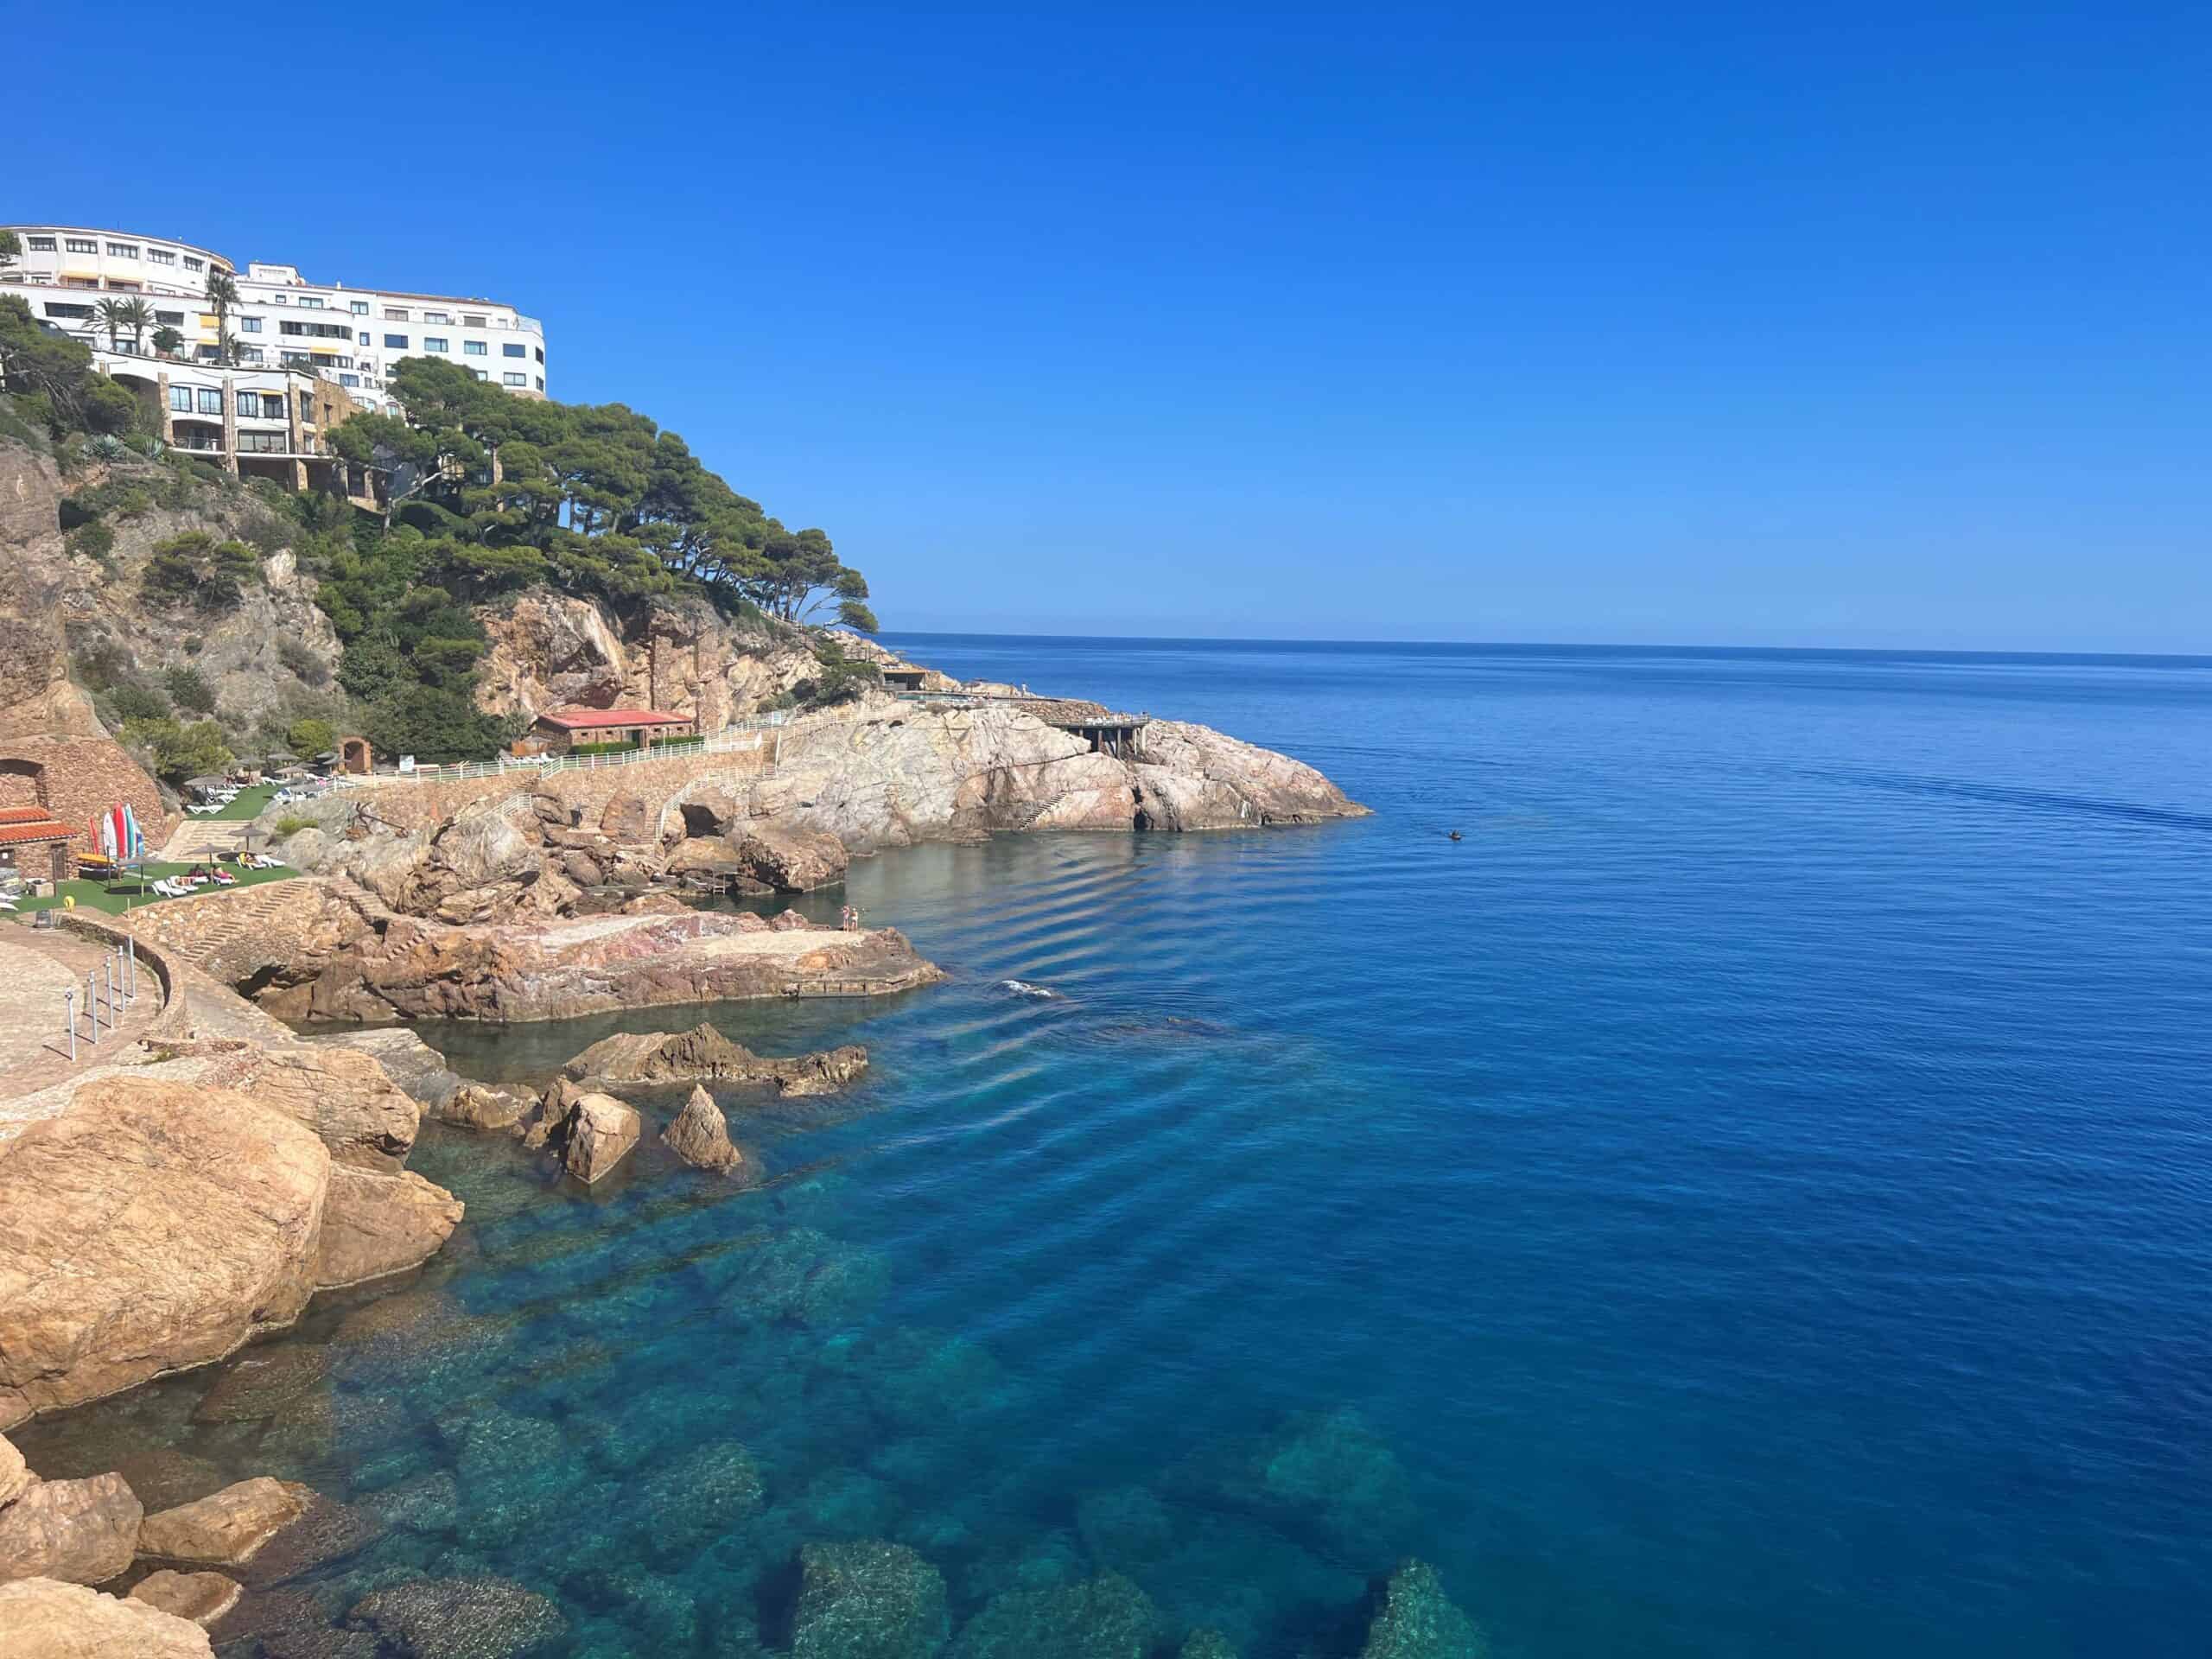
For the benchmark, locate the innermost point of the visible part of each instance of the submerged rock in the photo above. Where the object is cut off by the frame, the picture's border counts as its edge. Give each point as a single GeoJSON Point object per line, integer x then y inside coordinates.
{"type": "Point", "coordinates": [79, 1531]}
{"type": "Point", "coordinates": [203, 1598]}
{"type": "Point", "coordinates": [45, 1620]}
{"type": "Point", "coordinates": [799, 1275]}
{"type": "Point", "coordinates": [700, 1136]}
{"type": "Point", "coordinates": [1207, 1644]}
{"type": "Point", "coordinates": [1126, 1528]}
{"type": "Point", "coordinates": [262, 1382]}
{"type": "Point", "coordinates": [699, 1498]}
{"type": "Point", "coordinates": [1416, 1620]}
{"type": "Point", "coordinates": [1331, 1480]}
{"type": "Point", "coordinates": [460, 1619]}
{"type": "Point", "coordinates": [228, 1527]}
{"type": "Point", "coordinates": [868, 1600]}
{"type": "Point", "coordinates": [1104, 1618]}
{"type": "Point", "coordinates": [703, 1054]}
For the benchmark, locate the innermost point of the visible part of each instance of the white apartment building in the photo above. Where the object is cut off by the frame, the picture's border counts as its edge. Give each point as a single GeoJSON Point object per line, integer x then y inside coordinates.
{"type": "Point", "coordinates": [353, 336]}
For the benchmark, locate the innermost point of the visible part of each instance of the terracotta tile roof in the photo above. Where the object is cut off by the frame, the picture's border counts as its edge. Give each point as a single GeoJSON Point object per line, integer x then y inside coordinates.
{"type": "Point", "coordinates": [592, 719]}
{"type": "Point", "coordinates": [24, 815]}
{"type": "Point", "coordinates": [46, 829]}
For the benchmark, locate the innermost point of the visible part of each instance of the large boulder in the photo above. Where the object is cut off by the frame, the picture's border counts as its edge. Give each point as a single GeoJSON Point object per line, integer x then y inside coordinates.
{"type": "Point", "coordinates": [152, 1226]}
{"type": "Point", "coordinates": [81, 1531]}
{"type": "Point", "coordinates": [344, 1096]}
{"type": "Point", "coordinates": [790, 858]}
{"type": "Point", "coordinates": [43, 1619]}
{"type": "Point", "coordinates": [374, 1225]}
{"type": "Point", "coordinates": [703, 1054]}
{"type": "Point", "coordinates": [16, 1477]}
{"type": "Point", "coordinates": [699, 1135]}
{"type": "Point", "coordinates": [868, 1600]}
{"type": "Point", "coordinates": [203, 1598]}
{"type": "Point", "coordinates": [228, 1527]}
{"type": "Point", "coordinates": [419, 1070]}
{"type": "Point", "coordinates": [601, 1132]}
{"type": "Point", "coordinates": [1414, 1620]}
{"type": "Point", "coordinates": [460, 1618]}
{"type": "Point", "coordinates": [484, 1106]}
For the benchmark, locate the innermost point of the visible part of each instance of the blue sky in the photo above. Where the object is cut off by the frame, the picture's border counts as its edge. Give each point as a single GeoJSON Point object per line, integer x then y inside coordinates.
{"type": "Point", "coordinates": [1871, 325]}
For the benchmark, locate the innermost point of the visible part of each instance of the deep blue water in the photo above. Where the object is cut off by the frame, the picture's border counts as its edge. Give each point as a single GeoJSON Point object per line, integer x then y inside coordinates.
{"type": "Point", "coordinates": [1747, 1197]}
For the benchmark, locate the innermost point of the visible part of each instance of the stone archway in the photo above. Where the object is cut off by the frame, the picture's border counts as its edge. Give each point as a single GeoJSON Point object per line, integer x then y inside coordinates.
{"type": "Point", "coordinates": [22, 783]}
{"type": "Point", "coordinates": [353, 755]}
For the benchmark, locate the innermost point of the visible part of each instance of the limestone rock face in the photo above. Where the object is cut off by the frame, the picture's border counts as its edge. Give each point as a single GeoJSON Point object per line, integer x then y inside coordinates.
{"type": "Point", "coordinates": [703, 1054]}
{"type": "Point", "coordinates": [43, 1619]}
{"type": "Point", "coordinates": [868, 1600]}
{"type": "Point", "coordinates": [700, 1136]}
{"type": "Point", "coordinates": [228, 1527]}
{"type": "Point", "coordinates": [153, 1225]}
{"type": "Point", "coordinates": [376, 1225]}
{"type": "Point", "coordinates": [15, 1477]}
{"type": "Point", "coordinates": [420, 970]}
{"type": "Point", "coordinates": [601, 1132]}
{"type": "Point", "coordinates": [80, 1531]}
{"type": "Point", "coordinates": [1193, 777]}
{"type": "Point", "coordinates": [203, 1598]}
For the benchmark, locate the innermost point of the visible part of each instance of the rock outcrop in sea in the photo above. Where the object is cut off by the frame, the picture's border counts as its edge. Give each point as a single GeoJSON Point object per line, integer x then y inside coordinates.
{"type": "Point", "coordinates": [699, 1135]}
{"type": "Point", "coordinates": [704, 1055]}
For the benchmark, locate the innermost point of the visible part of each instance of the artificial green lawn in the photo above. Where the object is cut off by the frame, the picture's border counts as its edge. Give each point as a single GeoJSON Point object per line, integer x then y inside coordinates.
{"type": "Point", "coordinates": [248, 805]}
{"type": "Point", "coordinates": [96, 895]}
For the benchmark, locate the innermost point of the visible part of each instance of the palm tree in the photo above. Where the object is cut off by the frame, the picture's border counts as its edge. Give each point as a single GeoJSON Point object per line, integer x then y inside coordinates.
{"type": "Point", "coordinates": [166, 339]}
{"type": "Point", "coordinates": [109, 312]}
{"type": "Point", "coordinates": [222, 294]}
{"type": "Point", "coordinates": [137, 316]}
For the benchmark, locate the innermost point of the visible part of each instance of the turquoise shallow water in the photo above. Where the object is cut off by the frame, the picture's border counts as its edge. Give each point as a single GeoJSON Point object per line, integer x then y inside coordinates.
{"type": "Point", "coordinates": [1748, 1196]}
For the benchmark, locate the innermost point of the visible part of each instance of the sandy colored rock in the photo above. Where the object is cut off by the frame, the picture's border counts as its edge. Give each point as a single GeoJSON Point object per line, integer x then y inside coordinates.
{"type": "Point", "coordinates": [42, 1618]}
{"type": "Point", "coordinates": [421, 971]}
{"type": "Point", "coordinates": [153, 1226]}
{"type": "Point", "coordinates": [704, 1054]}
{"type": "Point", "coordinates": [626, 818]}
{"type": "Point", "coordinates": [482, 1106]}
{"type": "Point", "coordinates": [228, 1527]}
{"type": "Point", "coordinates": [80, 1531]}
{"type": "Point", "coordinates": [203, 1598]}
{"type": "Point", "coordinates": [418, 1069]}
{"type": "Point", "coordinates": [599, 1134]}
{"type": "Point", "coordinates": [16, 1477]}
{"type": "Point", "coordinates": [790, 858]}
{"type": "Point", "coordinates": [344, 1096]}
{"type": "Point", "coordinates": [376, 1225]}
{"type": "Point", "coordinates": [537, 1126]}
{"type": "Point", "coordinates": [699, 1135]}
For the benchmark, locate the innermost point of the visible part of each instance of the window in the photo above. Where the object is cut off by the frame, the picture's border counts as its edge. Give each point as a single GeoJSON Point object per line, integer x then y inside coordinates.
{"type": "Point", "coordinates": [211, 401]}
{"type": "Point", "coordinates": [360, 308]}
{"type": "Point", "coordinates": [475, 348]}
{"type": "Point", "coordinates": [180, 399]}
{"type": "Point", "coordinates": [541, 383]}
{"type": "Point", "coordinates": [61, 308]}
{"type": "Point", "coordinates": [122, 286]}
{"type": "Point", "coordinates": [310, 303]}
{"type": "Point", "coordinates": [435, 317]}
{"type": "Point", "coordinates": [395, 314]}
{"type": "Point", "coordinates": [541, 353]}
{"type": "Point", "coordinates": [278, 299]}
{"type": "Point", "coordinates": [513, 378]}
{"type": "Point", "coordinates": [81, 282]}
{"type": "Point", "coordinates": [161, 255]}
{"type": "Point", "coordinates": [434, 343]}
{"type": "Point", "coordinates": [349, 379]}
{"type": "Point", "coordinates": [168, 318]}
{"type": "Point", "coordinates": [511, 350]}
{"type": "Point", "coordinates": [191, 263]}
{"type": "Point", "coordinates": [473, 322]}
{"type": "Point", "coordinates": [123, 249]}
{"type": "Point", "coordinates": [293, 357]}
{"type": "Point", "coordinates": [80, 244]}
{"type": "Point", "coordinates": [307, 406]}
{"type": "Point", "coordinates": [261, 444]}
{"type": "Point", "coordinates": [252, 325]}
{"type": "Point", "coordinates": [250, 354]}
{"type": "Point", "coordinates": [395, 342]}
{"type": "Point", "coordinates": [364, 338]}
{"type": "Point", "coordinates": [480, 374]}
{"type": "Point", "coordinates": [41, 244]}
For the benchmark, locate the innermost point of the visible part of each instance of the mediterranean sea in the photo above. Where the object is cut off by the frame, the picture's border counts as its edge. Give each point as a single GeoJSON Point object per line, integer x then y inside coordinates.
{"type": "Point", "coordinates": [1751, 1194]}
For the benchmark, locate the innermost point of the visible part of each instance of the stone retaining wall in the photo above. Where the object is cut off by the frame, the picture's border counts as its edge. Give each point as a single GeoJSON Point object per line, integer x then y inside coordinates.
{"type": "Point", "coordinates": [173, 1022]}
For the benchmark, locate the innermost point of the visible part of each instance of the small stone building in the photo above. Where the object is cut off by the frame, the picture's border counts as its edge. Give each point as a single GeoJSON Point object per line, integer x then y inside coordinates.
{"type": "Point", "coordinates": [31, 837]}
{"type": "Point", "coordinates": [565, 728]}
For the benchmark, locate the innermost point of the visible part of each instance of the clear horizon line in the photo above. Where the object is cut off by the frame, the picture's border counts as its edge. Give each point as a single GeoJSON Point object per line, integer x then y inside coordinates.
{"type": "Point", "coordinates": [1550, 645]}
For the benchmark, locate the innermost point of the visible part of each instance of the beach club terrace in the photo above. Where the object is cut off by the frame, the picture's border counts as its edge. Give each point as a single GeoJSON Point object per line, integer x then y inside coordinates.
{"type": "Point", "coordinates": [564, 730]}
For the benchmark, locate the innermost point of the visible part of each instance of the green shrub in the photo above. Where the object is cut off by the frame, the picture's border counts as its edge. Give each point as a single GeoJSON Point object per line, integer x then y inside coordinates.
{"type": "Point", "coordinates": [189, 691]}
{"type": "Point", "coordinates": [133, 701]}
{"type": "Point", "coordinates": [310, 737]}
{"type": "Point", "coordinates": [95, 541]}
{"type": "Point", "coordinates": [213, 576]}
{"type": "Point", "coordinates": [310, 668]}
{"type": "Point", "coordinates": [102, 664]}
{"type": "Point", "coordinates": [290, 824]}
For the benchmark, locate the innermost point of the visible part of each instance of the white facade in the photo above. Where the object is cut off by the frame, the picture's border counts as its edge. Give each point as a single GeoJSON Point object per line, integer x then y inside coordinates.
{"type": "Point", "coordinates": [355, 335]}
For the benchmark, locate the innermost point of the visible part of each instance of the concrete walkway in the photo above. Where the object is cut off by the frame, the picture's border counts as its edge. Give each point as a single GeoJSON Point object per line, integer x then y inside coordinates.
{"type": "Point", "coordinates": [36, 966]}
{"type": "Point", "coordinates": [201, 841]}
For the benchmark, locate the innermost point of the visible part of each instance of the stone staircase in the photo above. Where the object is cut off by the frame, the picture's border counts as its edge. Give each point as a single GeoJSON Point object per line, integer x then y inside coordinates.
{"type": "Point", "coordinates": [199, 841]}
{"type": "Point", "coordinates": [213, 930]}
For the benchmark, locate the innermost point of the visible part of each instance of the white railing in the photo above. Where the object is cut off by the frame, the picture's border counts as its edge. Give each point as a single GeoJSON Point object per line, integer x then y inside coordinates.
{"type": "Point", "coordinates": [738, 738]}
